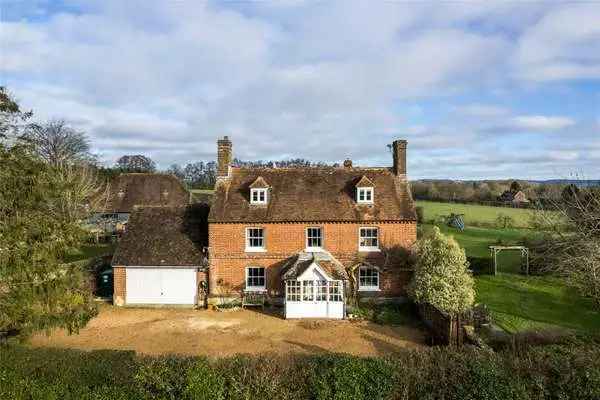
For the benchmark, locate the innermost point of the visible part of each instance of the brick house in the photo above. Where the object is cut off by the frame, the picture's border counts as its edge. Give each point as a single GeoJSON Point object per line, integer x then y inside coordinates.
{"type": "Point", "coordinates": [310, 237]}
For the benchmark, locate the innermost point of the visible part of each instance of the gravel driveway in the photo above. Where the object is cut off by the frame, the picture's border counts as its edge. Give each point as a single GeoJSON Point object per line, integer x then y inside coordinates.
{"type": "Point", "coordinates": [213, 333]}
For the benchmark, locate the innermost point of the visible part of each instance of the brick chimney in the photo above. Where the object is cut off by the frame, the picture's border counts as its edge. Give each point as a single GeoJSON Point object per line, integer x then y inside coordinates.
{"type": "Point", "coordinates": [224, 156]}
{"type": "Point", "coordinates": [399, 150]}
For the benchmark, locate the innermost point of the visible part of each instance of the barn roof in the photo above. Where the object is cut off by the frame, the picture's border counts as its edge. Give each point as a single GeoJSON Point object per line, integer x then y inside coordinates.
{"type": "Point", "coordinates": [141, 189]}
{"type": "Point", "coordinates": [312, 194]}
{"type": "Point", "coordinates": [164, 236]}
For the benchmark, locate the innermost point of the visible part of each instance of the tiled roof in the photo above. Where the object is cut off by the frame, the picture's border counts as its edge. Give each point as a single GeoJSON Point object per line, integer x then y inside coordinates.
{"type": "Point", "coordinates": [364, 182]}
{"type": "Point", "coordinates": [299, 263]}
{"type": "Point", "coordinates": [312, 194]}
{"type": "Point", "coordinates": [141, 189]}
{"type": "Point", "coordinates": [164, 236]}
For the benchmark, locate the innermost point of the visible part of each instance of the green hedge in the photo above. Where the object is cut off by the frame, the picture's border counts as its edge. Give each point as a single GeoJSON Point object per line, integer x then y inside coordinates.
{"type": "Point", "coordinates": [549, 372]}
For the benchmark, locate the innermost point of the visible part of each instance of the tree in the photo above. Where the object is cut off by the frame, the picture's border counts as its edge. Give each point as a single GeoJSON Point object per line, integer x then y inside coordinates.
{"type": "Point", "coordinates": [441, 276]}
{"type": "Point", "coordinates": [41, 207]}
{"type": "Point", "coordinates": [58, 144]}
{"type": "Point", "coordinates": [175, 169]}
{"type": "Point", "coordinates": [571, 247]}
{"type": "Point", "coordinates": [13, 121]}
{"type": "Point", "coordinates": [515, 187]}
{"type": "Point", "coordinates": [136, 163]}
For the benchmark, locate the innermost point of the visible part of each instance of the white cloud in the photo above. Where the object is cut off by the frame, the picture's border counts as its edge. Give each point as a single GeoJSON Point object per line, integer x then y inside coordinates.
{"type": "Point", "coordinates": [324, 80]}
{"type": "Point", "coordinates": [564, 44]}
{"type": "Point", "coordinates": [541, 122]}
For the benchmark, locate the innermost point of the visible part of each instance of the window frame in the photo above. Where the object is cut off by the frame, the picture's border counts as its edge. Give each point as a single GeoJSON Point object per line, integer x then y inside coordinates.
{"type": "Point", "coordinates": [369, 288]}
{"type": "Point", "coordinates": [255, 249]}
{"type": "Point", "coordinates": [367, 189]}
{"type": "Point", "coordinates": [322, 238]}
{"type": "Point", "coordinates": [360, 237]}
{"type": "Point", "coordinates": [258, 192]}
{"type": "Point", "coordinates": [248, 288]}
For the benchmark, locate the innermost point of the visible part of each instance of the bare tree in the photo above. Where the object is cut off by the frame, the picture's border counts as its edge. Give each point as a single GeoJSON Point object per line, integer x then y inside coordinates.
{"type": "Point", "coordinates": [136, 163]}
{"type": "Point", "coordinates": [59, 144]}
{"type": "Point", "coordinates": [572, 246]}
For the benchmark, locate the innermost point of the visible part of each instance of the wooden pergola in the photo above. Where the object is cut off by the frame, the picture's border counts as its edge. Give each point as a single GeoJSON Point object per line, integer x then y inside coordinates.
{"type": "Point", "coordinates": [494, 250]}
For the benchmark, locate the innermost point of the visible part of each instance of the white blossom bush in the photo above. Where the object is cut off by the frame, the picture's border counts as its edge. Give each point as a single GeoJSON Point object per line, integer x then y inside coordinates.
{"type": "Point", "coordinates": [441, 276]}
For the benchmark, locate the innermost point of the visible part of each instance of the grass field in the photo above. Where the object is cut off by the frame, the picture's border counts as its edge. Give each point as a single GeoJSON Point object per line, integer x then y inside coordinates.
{"type": "Point", "coordinates": [519, 302]}
{"type": "Point", "coordinates": [475, 214]}
{"type": "Point", "coordinates": [89, 251]}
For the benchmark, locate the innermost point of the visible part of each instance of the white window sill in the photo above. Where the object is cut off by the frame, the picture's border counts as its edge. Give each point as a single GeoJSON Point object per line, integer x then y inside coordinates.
{"type": "Point", "coordinates": [313, 249]}
{"type": "Point", "coordinates": [365, 202]}
{"type": "Point", "coordinates": [258, 203]}
{"type": "Point", "coordinates": [369, 249]}
{"type": "Point", "coordinates": [255, 290]}
{"type": "Point", "coordinates": [256, 250]}
{"type": "Point", "coordinates": [369, 289]}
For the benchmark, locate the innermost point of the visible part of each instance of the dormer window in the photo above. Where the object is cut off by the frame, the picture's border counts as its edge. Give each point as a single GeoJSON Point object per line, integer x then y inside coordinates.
{"type": "Point", "coordinates": [258, 196]}
{"type": "Point", "coordinates": [365, 192]}
{"type": "Point", "coordinates": [364, 195]}
{"type": "Point", "coordinates": [259, 191]}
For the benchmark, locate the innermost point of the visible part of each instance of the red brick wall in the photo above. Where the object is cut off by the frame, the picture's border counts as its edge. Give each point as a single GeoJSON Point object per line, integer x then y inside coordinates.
{"type": "Point", "coordinates": [119, 286]}
{"type": "Point", "coordinates": [228, 258]}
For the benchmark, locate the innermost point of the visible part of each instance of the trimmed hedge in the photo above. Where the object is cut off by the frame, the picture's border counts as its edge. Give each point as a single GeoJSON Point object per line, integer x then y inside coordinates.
{"type": "Point", "coordinates": [550, 372]}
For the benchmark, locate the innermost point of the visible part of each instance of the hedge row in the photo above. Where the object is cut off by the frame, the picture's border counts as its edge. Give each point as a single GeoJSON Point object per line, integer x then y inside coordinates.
{"type": "Point", "coordinates": [550, 372]}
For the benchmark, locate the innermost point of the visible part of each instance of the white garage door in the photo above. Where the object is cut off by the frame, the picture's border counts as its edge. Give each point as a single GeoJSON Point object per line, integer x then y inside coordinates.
{"type": "Point", "coordinates": [160, 286]}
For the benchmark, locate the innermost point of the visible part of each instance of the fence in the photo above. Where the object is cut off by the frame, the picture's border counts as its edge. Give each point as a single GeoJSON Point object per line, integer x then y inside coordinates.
{"type": "Point", "coordinates": [444, 329]}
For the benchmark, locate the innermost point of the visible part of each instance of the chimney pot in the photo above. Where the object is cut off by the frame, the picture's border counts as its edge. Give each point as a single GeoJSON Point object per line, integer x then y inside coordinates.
{"type": "Point", "coordinates": [347, 163]}
{"type": "Point", "coordinates": [399, 150]}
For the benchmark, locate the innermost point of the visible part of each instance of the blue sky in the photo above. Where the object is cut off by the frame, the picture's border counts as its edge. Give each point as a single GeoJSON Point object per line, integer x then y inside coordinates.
{"type": "Point", "coordinates": [479, 89]}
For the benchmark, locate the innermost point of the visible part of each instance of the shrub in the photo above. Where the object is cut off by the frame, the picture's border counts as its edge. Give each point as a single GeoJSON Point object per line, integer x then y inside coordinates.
{"type": "Point", "coordinates": [567, 371]}
{"type": "Point", "coordinates": [441, 276]}
{"type": "Point", "coordinates": [504, 221]}
{"type": "Point", "coordinates": [336, 377]}
{"type": "Point", "coordinates": [420, 214]}
{"type": "Point", "coordinates": [204, 383]}
{"type": "Point", "coordinates": [479, 265]}
{"type": "Point", "coordinates": [162, 378]}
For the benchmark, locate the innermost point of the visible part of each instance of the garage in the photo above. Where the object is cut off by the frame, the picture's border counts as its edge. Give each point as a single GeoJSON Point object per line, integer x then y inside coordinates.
{"type": "Point", "coordinates": [160, 285]}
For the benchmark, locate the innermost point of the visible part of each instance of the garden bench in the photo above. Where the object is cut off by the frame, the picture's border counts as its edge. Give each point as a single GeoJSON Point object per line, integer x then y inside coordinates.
{"type": "Point", "coordinates": [255, 299]}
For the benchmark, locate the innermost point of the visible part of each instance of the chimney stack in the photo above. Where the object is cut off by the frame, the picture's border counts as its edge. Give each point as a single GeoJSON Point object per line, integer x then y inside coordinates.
{"type": "Point", "coordinates": [399, 149]}
{"type": "Point", "coordinates": [224, 156]}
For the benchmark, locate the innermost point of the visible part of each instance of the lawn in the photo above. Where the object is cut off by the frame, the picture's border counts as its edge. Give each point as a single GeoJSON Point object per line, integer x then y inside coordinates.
{"type": "Point", "coordinates": [88, 251]}
{"type": "Point", "coordinates": [519, 302]}
{"type": "Point", "coordinates": [475, 214]}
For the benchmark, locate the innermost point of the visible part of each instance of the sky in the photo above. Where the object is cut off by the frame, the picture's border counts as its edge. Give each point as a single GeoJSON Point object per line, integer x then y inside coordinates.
{"type": "Point", "coordinates": [481, 90]}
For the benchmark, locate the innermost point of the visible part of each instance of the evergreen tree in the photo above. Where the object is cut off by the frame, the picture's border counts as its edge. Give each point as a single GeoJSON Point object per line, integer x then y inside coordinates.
{"type": "Point", "coordinates": [441, 276]}
{"type": "Point", "coordinates": [41, 207]}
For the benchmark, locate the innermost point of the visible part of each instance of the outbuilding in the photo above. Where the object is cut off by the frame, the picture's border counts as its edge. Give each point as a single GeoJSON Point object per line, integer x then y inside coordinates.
{"type": "Point", "coordinates": [160, 259]}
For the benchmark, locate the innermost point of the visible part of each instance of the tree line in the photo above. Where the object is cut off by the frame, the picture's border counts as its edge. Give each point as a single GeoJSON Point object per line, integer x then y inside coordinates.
{"type": "Point", "coordinates": [484, 191]}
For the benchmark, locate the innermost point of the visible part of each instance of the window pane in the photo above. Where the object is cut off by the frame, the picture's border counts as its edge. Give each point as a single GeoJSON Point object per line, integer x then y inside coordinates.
{"type": "Point", "coordinates": [307, 290]}
{"type": "Point", "coordinates": [369, 237]}
{"type": "Point", "coordinates": [255, 237]}
{"type": "Point", "coordinates": [255, 277]}
{"type": "Point", "coordinates": [368, 277]}
{"type": "Point", "coordinates": [321, 293]}
{"type": "Point", "coordinates": [314, 237]}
